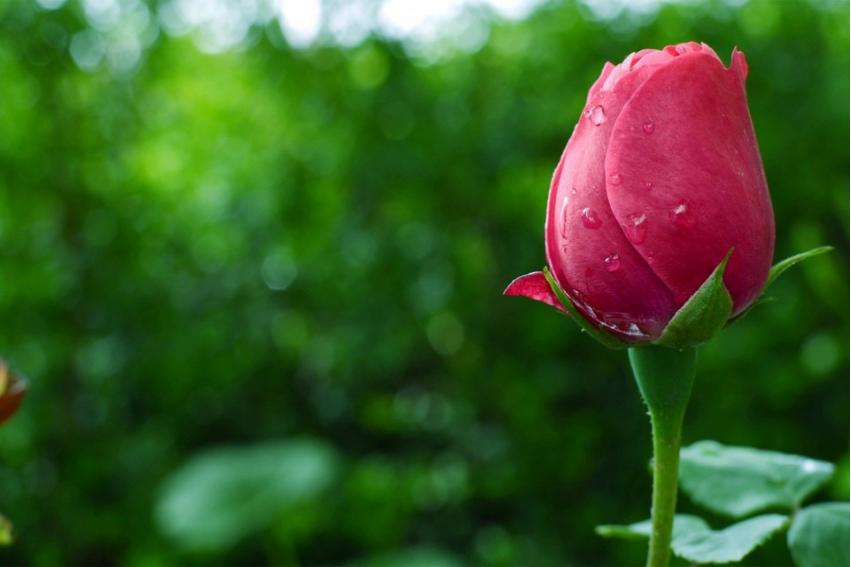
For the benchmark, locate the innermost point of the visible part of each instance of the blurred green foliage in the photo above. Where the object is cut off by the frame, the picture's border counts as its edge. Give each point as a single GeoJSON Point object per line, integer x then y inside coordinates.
{"type": "Point", "coordinates": [281, 245]}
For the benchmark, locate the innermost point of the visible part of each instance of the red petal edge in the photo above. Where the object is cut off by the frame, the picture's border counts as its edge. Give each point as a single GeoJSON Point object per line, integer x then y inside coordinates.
{"type": "Point", "coordinates": [739, 64]}
{"type": "Point", "coordinates": [534, 286]}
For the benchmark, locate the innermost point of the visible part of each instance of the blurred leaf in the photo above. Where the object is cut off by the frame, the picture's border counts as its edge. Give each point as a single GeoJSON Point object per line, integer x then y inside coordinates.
{"type": "Point", "coordinates": [227, 493]}
{"type": "Point", "coordinates": [413, 557]}
{"type": "Point", "coordinates": [7, 536]}
{"type": "Point", "coordinates": [819, 535]}
{"type": "Point", "coordinates": [737, 481]}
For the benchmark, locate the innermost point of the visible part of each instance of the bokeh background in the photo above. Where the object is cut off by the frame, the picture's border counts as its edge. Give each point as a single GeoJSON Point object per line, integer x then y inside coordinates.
{"type": "Point", "coordinates": [253, 256]}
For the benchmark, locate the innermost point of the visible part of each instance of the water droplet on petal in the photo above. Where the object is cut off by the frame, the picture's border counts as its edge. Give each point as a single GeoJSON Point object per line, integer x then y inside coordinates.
{"type": "Point", "coordinates": [648, 127]}
{"type": "Point", "coordinates": [612, 263]}
{"type": "Point", "coordinates": [633, 330]}
{"type": "Point", "coordinates": [590, 219]}
{"type": "Point", "coordinates": [564, 217]}
{"type": "Point", "coordinates": [596, 115]}
{"type": "Point", "coordinates": [636, 228]}
{"type": "Point", "coordinates": [616, 179]}
{"type": "Point", "coordinates": [573, 190]}
{"type": "Point", "coordinates": [681, 217]}
{"type": "Point", "coordinates": [619, 326]}
{"type": "Point", "coordinates": [648, 185]}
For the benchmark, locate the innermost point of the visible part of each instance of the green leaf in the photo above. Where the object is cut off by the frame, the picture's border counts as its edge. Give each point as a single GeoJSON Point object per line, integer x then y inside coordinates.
{"type": "Point", "coordinates": [703, 315]}
{"type": "Point", "coordinates": [225, 494]}
{"type": "Point", "coordinates": [695, 541]}
{"type": "Point", "coordinates": [733, 543]}
{"type": "Point", "coordinates": [738, 481]}
{"type": "Point", "coordinates": [601, 336]}
{"type": "Point", "coordinates": [819, 535]}
{"type": "Point", "coordinates": [784, 265]}
{"type": "Point", "coordinates": [683, 523]}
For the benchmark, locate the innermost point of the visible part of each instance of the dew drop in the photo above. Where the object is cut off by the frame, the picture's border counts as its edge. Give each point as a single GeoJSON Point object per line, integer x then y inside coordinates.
{"type": "Point", "coordinates": [648, 185]}
{"type": "Point", "coordinates": [636, 228]}
{"type": "Point", "coordinates": [633, 330]}
{"type": "Point", "coordinates": [612, 263]}
{"type": "Point", "coordinates": [616, 179]}
{"type": "Point", "coordinates": [681, 217]}
{"type": "Point", "coordinates": [590, 219]}
{"type": "Point", "coordinates": [648, 127]}
{"type": "Point", "coordinates": [573, 190]}
{"type": "Point", "coordinates": [564, 219]}
{"type": "Point", "coordinates": [596, 115]}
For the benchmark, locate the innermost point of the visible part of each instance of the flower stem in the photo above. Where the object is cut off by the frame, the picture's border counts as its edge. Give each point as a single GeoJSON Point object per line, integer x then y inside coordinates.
{"type": "Point", "coordinates": [664, 377]}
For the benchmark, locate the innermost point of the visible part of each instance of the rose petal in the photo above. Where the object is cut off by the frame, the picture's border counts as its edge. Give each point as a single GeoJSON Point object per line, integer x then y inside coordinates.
{"type": "Point", "coordinates": [534, 286]}
{"type": "Point", "coordinates": [588, 253]}
{"type": "Point", "coordinates": [708, 186]}
{"type": "Point", "coordinates": [654, 58]}
{"type": "Point", "coordinates": [738, 64]}
{"type": "Point", "coordinates": [598, 84]}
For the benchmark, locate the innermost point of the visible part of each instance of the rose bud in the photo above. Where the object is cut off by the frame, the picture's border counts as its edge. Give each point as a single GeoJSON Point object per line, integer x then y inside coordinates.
{"type": "Point", "coordinates": [12, 389]}
{"type": "Point", "coordinates": [660, 182]}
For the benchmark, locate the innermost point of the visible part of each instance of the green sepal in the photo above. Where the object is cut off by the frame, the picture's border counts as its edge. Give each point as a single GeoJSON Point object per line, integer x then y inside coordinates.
{"type": "Point", "coordinates": [703, 315]}
{"type": "Point", "coordinates": [775, 272]}
{"type": "Point", "coordinates": [604, 338]}
{"type": "Point", "coordinates": [695, 541]}
{"type": "Point", "coordinates": [784, 265]}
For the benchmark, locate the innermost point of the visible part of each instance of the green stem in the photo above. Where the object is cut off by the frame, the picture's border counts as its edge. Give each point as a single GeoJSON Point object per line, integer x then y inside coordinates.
{"type": "Point", "coordinates": [664, 377]}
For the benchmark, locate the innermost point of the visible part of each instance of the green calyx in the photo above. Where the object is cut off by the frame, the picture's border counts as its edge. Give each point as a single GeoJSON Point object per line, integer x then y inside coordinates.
{"type": "Point", "coordinates": [705, 314]}
{"type": "Point", "coordinates": [775, 272]}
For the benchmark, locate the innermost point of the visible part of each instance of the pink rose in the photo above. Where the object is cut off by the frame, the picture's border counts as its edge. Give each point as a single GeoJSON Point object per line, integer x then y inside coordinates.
{"type": "Point", "coordinates": [660, 179]}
